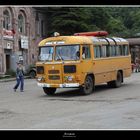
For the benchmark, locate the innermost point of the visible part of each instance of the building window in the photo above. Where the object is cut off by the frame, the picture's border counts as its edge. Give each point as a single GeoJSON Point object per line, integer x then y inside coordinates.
{"type": "Point", "coordinates": [6, 21]}
{"type": "Point", "coordinates": [38, 27]}
{"type": "Point", "coordinates": [43, 28]}
{"type": "Point", "coordinates": [21, 23]}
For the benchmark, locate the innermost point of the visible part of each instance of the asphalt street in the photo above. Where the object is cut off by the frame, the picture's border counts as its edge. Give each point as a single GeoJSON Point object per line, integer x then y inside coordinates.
{"type": "Point", "coordinates": [105, 108]}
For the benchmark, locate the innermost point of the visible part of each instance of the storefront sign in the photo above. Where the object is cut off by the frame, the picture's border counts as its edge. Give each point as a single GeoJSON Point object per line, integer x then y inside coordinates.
{"type": "Point", "coordinates": [24, 42]}
{"type": "Point", "coordinates": [7, 44]}
{"type": "Point", "coordinates": [8, 34]}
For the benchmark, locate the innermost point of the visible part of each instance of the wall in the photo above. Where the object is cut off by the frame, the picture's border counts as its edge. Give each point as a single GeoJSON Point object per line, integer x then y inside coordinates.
{"type": "Point", "coordinates": [20, 45]}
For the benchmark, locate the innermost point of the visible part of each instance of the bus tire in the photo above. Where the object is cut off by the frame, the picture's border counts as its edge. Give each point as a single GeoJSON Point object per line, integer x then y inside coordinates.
{"type": "Point", "coordinates": [116, 83]}
{"type": "Point", "coordinates": [88, 86]}
{"type": "Point", "coordinates": [49, 91]}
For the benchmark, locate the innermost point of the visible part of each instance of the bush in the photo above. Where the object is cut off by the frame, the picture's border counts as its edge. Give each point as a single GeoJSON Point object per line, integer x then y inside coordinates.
{"type": "Point", "coordinates": [11, 73]}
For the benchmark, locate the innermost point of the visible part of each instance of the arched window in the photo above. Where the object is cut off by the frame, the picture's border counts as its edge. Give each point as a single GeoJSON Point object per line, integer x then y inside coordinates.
{"type": "Point", "coordinates": [7, 20]}
{"type": "Point", "coordinates": [21, 23]}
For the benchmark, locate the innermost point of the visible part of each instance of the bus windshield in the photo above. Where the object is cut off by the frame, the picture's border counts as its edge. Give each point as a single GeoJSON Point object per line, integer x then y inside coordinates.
{"type": "Point", "coordinates": [67, 52]}
{"type": "Point", "coordinates": [46, 53]}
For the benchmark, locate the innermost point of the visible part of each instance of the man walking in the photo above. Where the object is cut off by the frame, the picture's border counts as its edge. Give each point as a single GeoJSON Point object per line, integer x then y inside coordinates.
{"type": "Point", "coordinates": [137, 64]}
{"type": "Point", "coordinates": [19, 77]}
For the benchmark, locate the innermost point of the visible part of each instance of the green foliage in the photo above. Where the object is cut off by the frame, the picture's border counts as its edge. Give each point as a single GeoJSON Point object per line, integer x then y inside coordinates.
{"type": "Point", "coordinates": [118, 21]}
{"type": "Point", "coordinates": [11, 72]}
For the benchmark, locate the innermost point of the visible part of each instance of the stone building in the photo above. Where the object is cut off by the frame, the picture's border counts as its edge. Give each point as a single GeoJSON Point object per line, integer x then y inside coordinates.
{"type": "Point", "coordinates": [21, 29]}
{"type": "Point", "coordinates": [134, 44]}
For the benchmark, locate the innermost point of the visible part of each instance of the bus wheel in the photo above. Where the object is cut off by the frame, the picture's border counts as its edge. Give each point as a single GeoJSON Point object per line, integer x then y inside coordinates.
{"type": "Point", "coordinates": [116, 83]}
{"type": "Point", "coordinates": [49, 91]}
{"type": "Point", "coordinates": [88, 86]}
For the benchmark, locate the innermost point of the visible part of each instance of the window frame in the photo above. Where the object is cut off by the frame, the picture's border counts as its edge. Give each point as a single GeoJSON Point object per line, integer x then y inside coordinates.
{"type": "Point", "coordinates": [7, 19]}
{"type": "Point", "coordinates": [89, 52]}
{"type": "Point", "coordinates": [21, 26]}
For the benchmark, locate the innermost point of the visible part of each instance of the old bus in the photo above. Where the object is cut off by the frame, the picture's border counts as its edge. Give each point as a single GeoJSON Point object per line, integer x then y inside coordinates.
{"type": "Point", "coordinates": [82, 60]}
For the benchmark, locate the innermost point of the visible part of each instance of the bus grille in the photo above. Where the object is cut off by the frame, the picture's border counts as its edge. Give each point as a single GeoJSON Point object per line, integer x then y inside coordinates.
{"type": "Point", "coordinates": [54, 77]}
{"type": "Point", "coordinates": [53, 71]}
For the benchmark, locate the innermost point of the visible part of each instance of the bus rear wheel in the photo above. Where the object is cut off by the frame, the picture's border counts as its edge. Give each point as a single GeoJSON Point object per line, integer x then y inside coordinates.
{"type": "Point", "coordinates": [49, 91]}
{"type": "Point", "coordinates": [116, 83]}
{"type": "Point", "coordinates": [88, 86]}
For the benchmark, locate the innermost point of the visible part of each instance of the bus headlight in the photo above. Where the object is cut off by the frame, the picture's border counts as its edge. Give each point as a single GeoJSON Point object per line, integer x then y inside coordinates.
{"type": "Point", "coordinates": [69, 78]}
{"type": "Point", "coordinates": [40, 79]}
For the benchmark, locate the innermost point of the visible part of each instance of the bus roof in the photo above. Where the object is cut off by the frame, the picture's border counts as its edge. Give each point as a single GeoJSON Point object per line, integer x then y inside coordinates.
{"type": "Point", "coordinates": [65, 40]}
{"type": "Point", "coordinates": [61, 40]}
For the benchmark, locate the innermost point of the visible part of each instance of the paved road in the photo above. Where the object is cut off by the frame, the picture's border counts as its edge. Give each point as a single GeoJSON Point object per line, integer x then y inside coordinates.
{"type": "Point", "coordinates": [106, 108]}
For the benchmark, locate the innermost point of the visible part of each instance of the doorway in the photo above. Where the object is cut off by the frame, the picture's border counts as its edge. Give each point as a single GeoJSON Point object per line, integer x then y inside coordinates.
{"type": "Point", "coordinates": [7, 62]}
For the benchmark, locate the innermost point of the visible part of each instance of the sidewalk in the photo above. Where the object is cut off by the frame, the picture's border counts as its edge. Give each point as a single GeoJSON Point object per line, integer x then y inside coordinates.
{"type": "Point", "coordinates": [11, 79]}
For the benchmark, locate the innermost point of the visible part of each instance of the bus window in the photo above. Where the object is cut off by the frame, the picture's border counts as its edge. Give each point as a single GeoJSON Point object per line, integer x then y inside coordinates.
{"type": "Point", "coordinates": [121, 49]}
{"type": "Point", "coordinates": [67, 52]}
{"type": "Point", "coordinates": [97, 51]}
{"type": "Point", "coordinates": [125, 50]}
{"type": "Point", "coordinates": [118, 51]}
{"type": "Point", "coordinates": [86, 52]}
{"type": "Point", "coordinates": [103, 51]}
{"type": "Point", "coordinates": [113, 51]}
{"type": "Point", "coordinates": [46, 53]}
{"type": "Point", "coordinates": [108, 51]}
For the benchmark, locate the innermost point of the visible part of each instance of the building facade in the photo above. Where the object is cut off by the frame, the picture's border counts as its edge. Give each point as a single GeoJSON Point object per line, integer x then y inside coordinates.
{"type": "Point", "coordinates": [134, 44]}
{"type": "Point", "coordinates": [21, 29]}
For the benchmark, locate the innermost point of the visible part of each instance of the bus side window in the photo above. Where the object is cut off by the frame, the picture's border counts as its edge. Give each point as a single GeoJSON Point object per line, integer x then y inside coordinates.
{"type": "Point", "coordinates": [126, 50]}
{"type": "Point", "coordinates": [103, 51]}
{"type": "Point", "coordinates": [86, 52]}
{"type": "Point", "coordinates": [108, 51]}
{"type": "Point", "coordinates": [113, 51]}
{"type": "Point", "coordinates": [97, 51]}
{"type": "Point", "coordinates": [118, 51]}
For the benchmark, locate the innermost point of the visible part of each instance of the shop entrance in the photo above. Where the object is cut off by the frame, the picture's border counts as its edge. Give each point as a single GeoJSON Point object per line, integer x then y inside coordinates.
{"type": "Point", "coordinates": [7, 62]}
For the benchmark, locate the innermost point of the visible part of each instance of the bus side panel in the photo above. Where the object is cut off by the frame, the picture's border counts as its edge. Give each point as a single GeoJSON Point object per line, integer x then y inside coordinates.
{"type": "Point", "coordinates": [106, 69]}
{"type": "Point", "coordinates": [103, 71]}
{"type": "Point", "coordinates": [124, 64]}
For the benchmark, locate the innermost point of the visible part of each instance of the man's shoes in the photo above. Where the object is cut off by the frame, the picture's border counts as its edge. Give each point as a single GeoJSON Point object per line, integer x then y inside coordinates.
{"type": "Point", "coordinates": [22, 91]}
{"type": "Point", "coordinates": [14, 90]}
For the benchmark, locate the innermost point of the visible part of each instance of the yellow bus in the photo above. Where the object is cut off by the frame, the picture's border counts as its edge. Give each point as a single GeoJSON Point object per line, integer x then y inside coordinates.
{"type": "Point", "coordinates": [82, 60]}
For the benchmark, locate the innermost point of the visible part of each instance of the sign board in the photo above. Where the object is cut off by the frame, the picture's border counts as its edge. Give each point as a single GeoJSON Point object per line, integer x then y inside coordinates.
{"type": "Point", "coordinates": [20, 58]}
{"type": "Point", "coordinates": [8, 44]}
{"type": "Point", "coordinates": [8, 34]}
{"type": "Point", "coordinates": [24, 42]}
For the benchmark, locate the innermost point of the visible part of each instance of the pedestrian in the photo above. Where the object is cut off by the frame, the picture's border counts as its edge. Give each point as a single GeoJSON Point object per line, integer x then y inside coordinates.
{"type": "Point", "coordinates": [19, 77]}
{"type": "Point", "coordinates": [137, 64]}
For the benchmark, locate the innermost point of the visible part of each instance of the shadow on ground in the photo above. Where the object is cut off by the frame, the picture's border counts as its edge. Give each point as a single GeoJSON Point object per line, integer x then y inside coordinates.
{"type": "Point", "coordinates": [77, 92]}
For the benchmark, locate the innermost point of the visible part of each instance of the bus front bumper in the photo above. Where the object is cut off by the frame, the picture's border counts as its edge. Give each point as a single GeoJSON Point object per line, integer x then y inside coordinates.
{"type": "Point", "coordinates": [65, 85]}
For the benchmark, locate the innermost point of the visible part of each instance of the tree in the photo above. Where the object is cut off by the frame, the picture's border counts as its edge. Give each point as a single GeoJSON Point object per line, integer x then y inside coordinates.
{"type": "Point", "coordinates": [67, 21]}
{"type": "Point", "coordinates": [118, 21]}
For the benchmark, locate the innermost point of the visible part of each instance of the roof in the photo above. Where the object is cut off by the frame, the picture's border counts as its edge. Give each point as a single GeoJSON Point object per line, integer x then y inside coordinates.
{"type": "Point", "coordinates": [60, 40]}
{"type": "Point", "coordinates": [133, 41]}
{"type": "Point", "coordinates": [66, 40]}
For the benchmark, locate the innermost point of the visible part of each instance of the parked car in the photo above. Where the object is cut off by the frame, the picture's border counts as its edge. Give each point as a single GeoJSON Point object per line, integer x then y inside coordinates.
{"type": "Point", "coordinates": [32, 72]}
